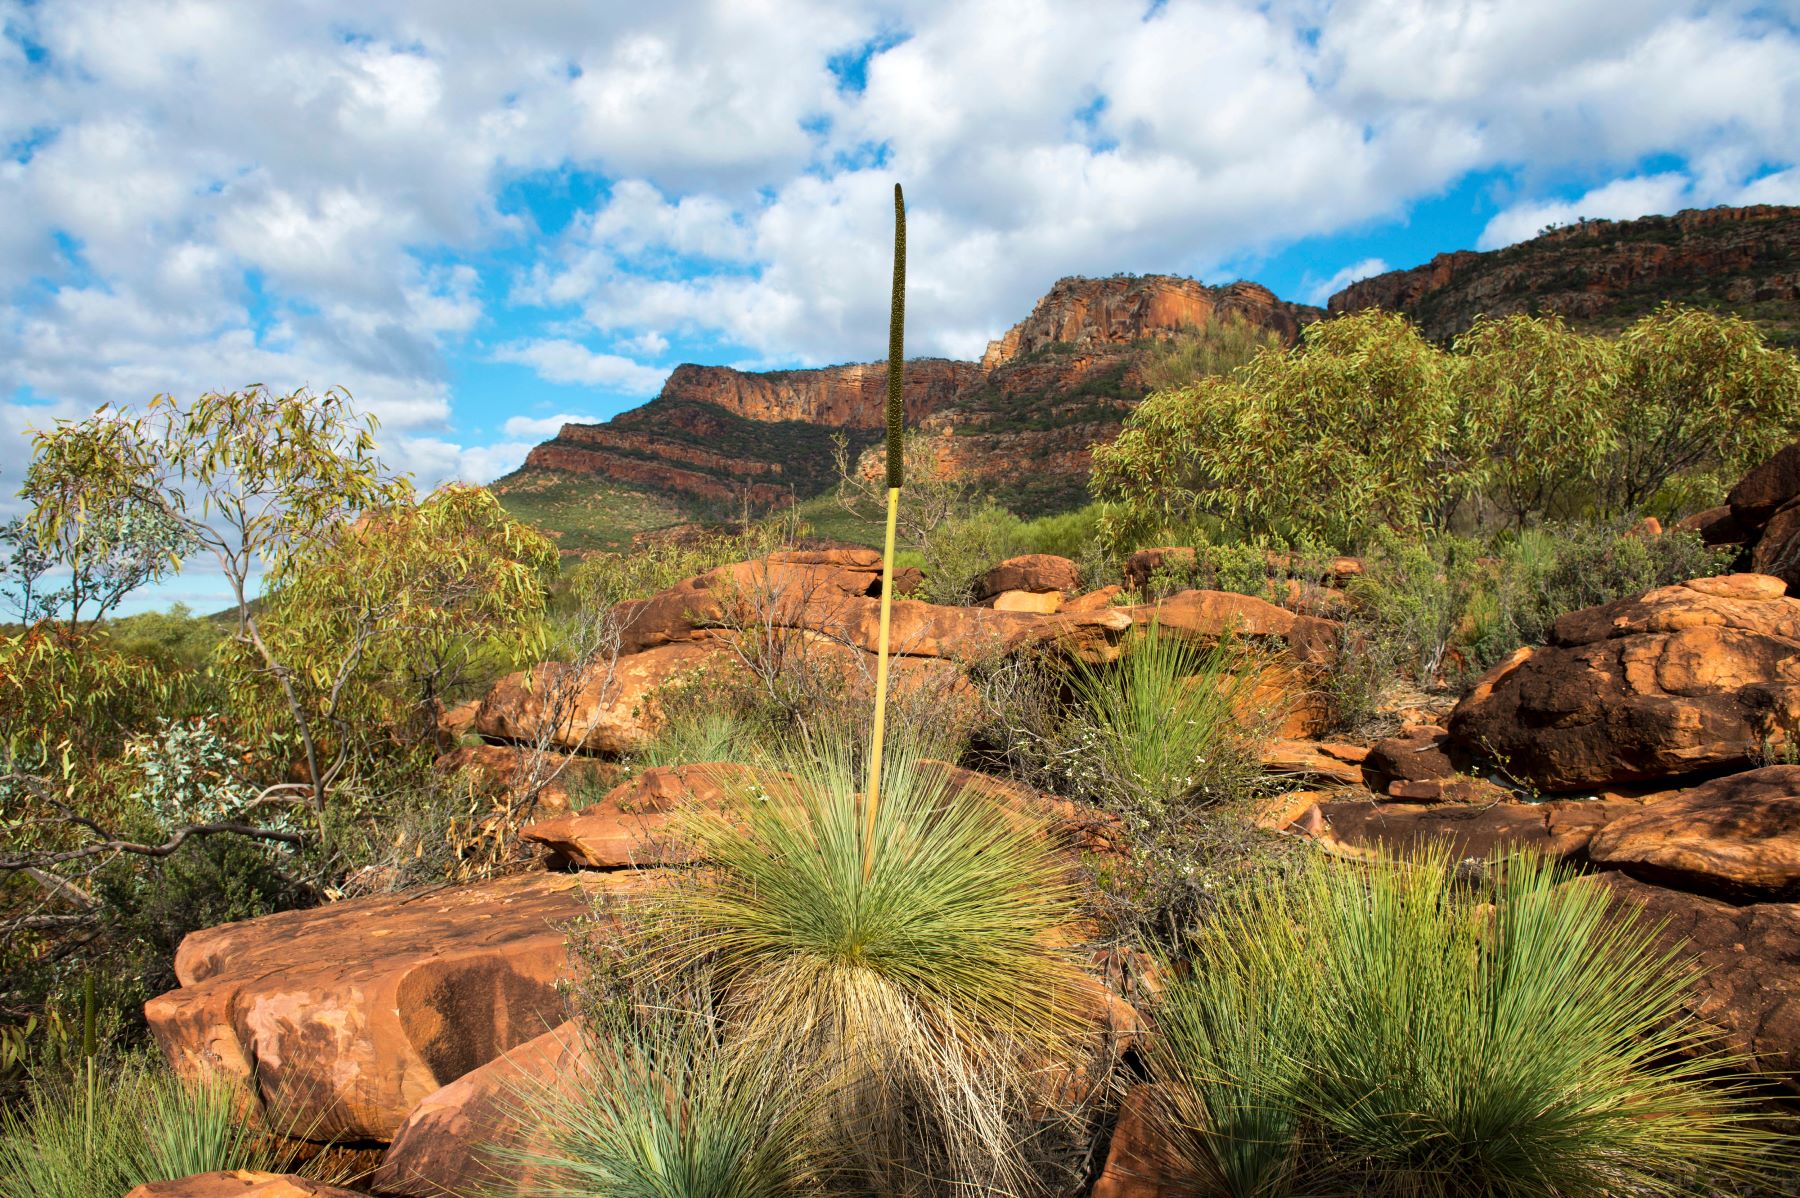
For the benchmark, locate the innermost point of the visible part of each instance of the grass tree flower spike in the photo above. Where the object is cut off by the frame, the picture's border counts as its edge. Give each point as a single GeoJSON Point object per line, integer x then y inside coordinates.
{"type": "Point", "coordinates": [896, 419]}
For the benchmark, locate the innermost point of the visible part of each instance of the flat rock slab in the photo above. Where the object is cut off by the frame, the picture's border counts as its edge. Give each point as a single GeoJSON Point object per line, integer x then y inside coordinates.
{"type": "Point", "coordinates": [1747, 985]}
{"type": "Point", "coordinates": [1321, 761]}
{"type": "Point", "coordinates": [1737, 836]}
{"type": "Point", "coordinates": [1699, 677]}
{"type": "Point", "coordinates": [241, 1183]}
{"type": "Point", "coordinates": [1561, 827]}
{"type": "Point", "coordinates": [457, 1141]}
{"type": "Point", "coordinates": [341, 1018]}
{"type": "Point", "coordinates": [1210, 615]}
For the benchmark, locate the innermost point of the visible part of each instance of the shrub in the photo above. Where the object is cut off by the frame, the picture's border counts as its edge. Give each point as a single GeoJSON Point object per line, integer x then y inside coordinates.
{"type": "Point", "coordinates": [1398, 1029]}
{"type": "Point", "coordinates": [907, 952]}
{"type": "Point", "coordinates": [667, 1109]}
{"type": "Point", "coordinates": [1162, 724]}
{"type": "Point", "coordinates": [964, 547]}
{"type": "Point", "coordinates": [102, 1130]}
{"type": "Point", "coordinates": [1220, 346]}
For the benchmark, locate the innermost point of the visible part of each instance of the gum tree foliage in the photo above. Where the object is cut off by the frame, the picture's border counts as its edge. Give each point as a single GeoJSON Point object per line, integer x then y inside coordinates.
{"type": "Point", "coordinates": [251, 478]}
{"type": "Point", "coordinates": [380, 619]}
{"type": "Point", "coordinates": [104, 558]}
{"type": "Point", "coordinates": [1368, 426]}
{"type": "Point", "coordinates": [1358, 426]}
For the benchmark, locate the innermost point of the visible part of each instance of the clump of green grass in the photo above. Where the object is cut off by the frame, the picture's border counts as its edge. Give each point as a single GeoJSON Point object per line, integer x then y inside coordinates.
{"type": "Point", "coordinates": [664, 1108]}
{"type": "Point", "coordinates": [1397, 1030]}
{"type": "Point", "coordinates": [1163, 723]}
{"type": "Point", "coordinates": [103, 1129]}
{"type": "Point", "coordinates": [916, 961]}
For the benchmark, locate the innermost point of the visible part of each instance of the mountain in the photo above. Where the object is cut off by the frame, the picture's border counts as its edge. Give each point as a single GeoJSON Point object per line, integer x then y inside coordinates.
{"type": "Point", "coordinates": [719, 441]}
{"type": "Point", "coordinates": [1603, 274]}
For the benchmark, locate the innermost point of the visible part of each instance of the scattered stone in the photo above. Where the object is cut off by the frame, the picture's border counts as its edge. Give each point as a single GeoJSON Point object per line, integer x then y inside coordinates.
{"type": "Point", "coordinates": [629, 825]}
{"type": "Point", "coordinates": [1701, 676]}
{"type": "Point", "coordinates": [1737, 836]}
{"type": "Point", "coordinates": [1747, 984]}
{"type": "Point", "coordinates": [514, 771]}
{"type": "Point", "coordinates": [241, 1183]}
{"type": "Point", "coordinates": [1314, 760]}
{"type": "Point", "coordinates": [341, 1018]}
{"type": "Point", "coordinates": [1417, 754]}
{"type": "Point", "coordinates": [1037, 573]}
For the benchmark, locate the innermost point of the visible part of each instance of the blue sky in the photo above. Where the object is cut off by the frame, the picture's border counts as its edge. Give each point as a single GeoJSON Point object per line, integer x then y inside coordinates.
{"type": "Point", "coordinates": [482, 219]}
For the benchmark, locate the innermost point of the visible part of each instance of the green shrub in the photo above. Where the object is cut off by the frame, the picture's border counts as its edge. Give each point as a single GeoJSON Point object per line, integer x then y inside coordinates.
{"type": "Point", "coordinates": [668, 1109]}
{"type": "Point", "coordinates": [1220, 346]}
{"type": "Point", "coordinates": [101, 1130]}
{"type": "Point", "coordinates": [1414, 595]}
{"type": "Point", "coordinates": [1400, 1029]}
{"type": "Point", "coordinates": [1162, 724]}
{"type": "Point", "coordinates": [907, 954]}
{"type": "Point", "coordinates": [962, 548]}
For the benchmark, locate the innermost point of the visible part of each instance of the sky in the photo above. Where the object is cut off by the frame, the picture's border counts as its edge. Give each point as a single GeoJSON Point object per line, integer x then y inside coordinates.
{"type": "Point", "coordinates": [485, 220]}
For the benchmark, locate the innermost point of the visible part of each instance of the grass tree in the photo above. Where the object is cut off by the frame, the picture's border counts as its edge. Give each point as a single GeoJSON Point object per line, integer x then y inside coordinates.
{"type": "Point", "coordinates": [1402, 1028]}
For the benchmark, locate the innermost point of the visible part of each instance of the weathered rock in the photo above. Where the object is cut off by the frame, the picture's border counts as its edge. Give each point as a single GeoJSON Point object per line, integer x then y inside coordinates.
{"type": "Point", "coordinates": [1777, 551]}
{"type": "Point", "coordinates": [341, 1018]}
{"type": "Point", "coordinates": [1099, 600]}
{"type": "Point", "coordinates": [515, 771]}
{"type": "Point", "coordinates": [1748, 982]}
{"type": "Point", "coordinates": [1140, 1162]}
{"type": "Point", "coordinates": [609, 708]}
{"type": "Point", "coordinates": [1736, 836]}
{"type": "Point", "coordinates": [1716, 526]}
{"type": "Point", "coordinates": [1042, 602]}
{"type": "Point", "coordinates": [1145, 562]}
{"type": "Point", "coordinates": [1211, 615]}
{"type": "Point", "coordinates": [1286, 702]}
{"type": "Point", "coordinates": [1766, 489]}
{"type": "Point", "coordinates": [1033, 572]}
{"type": "Point", "coordinates": [1561, 827]}
{"type": "Point", "coordinates": [458, 1139]}
{"type": "Point", "coordinates": [630, 824]}
{"type": "Point", "coordinates": [1417, 754]}
{"type": "Point", "coordinates": [1700, 676]}
{"type": "Point", "coordinates": [241, 1183]}
{"type": "Point", "coordinates": [1316, 760]}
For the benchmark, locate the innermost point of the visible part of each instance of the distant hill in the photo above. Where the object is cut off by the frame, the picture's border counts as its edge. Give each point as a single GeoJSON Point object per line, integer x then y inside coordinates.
{"type": "Point", "coordinates": [1603, 274]}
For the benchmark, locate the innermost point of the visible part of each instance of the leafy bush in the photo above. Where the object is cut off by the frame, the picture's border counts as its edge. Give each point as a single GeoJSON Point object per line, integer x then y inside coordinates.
{"type": "Point", "coordinates": [905, 950]}
{"type": "Point", "coordinates": [102, 1130]}
{"type": "Point", "coordinates": [1396, 1030]}
{"type": "Point", "coordinates": [1368, 426]}
{"type": "Point", "coordinates": [960, 550]}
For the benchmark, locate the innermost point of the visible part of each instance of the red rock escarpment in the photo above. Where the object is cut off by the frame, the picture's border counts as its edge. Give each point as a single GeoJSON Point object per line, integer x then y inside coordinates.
{"type": "Point", "coordinates": [1602, 272]}
{"type": "Point", "coordinates": [852, 396]}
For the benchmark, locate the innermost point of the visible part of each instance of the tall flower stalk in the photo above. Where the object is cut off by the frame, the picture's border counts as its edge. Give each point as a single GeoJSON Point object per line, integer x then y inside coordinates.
{"type": "Point", "coordinates": [896, 419]}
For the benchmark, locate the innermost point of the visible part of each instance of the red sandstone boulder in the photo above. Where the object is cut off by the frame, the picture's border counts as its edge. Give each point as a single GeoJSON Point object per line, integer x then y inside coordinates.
{"type": "Point", "coordinates": [1044, 603]}
{"type": "Point", "coordinates": [1747, 985]}
{"type": "Point", "coordinates": [1099, 600]}
{"type": "Point", "coordinates": [1737, 836]}
{"type": "Point", "coordinates": [1715, 526]}
{"type": "Point", "coordinates": [1035, 573]}
{"type": "Point", "coordinates": [1210, 615]}
{"type": "Point", "coordinates": [630, 825]}
{"type": "Point", "coordinates": [341, 1018]}
{"type": "Point", "coordinates": [1766, 489]}
{"type": "Point", "coordinates": [611, 708]}
{"type": "Point", "coordinates": [1140, 1162]}
{"type": "Point", "coordinates": [1317, 761]}
{"type": "Point", "coordinates": [241, 1183]}
{"type": "Point", "coordinates": [1417, 754]}
{"type": "Point", "coordinates": [458, 1139]}
{"type": "Point", "coordinates": [1700, 676]}
{"type": "Point", "coordinates": [1777, 550]}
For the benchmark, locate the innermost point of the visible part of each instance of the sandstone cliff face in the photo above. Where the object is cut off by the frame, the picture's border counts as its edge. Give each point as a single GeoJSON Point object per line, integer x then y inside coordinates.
{"type": "Point", "coordinates": [853, 396]}
{"type": "Point", "coordinates": [1607, 273]}
{"type": "Point", "coordinates": [1086, 313]}
{"type": "Point", "coordinates": [1057, 382]}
